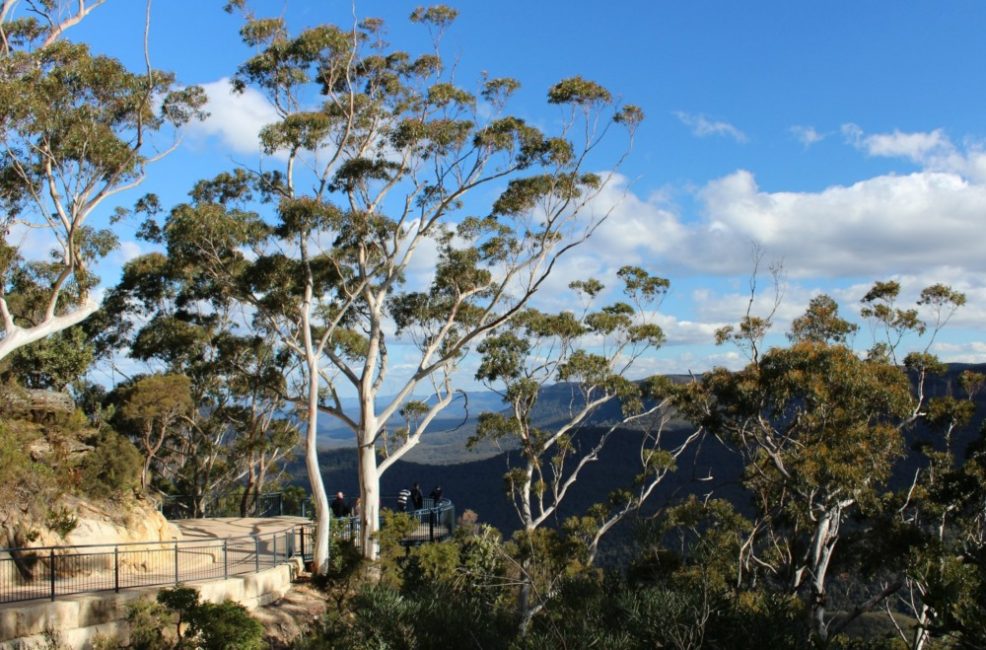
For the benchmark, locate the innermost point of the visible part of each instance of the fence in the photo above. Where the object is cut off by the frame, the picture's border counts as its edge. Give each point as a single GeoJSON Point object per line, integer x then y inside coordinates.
{"type": "Point", "coordinates": [435, 522]}
{"type": "Point", "coordinates": [52, 571]}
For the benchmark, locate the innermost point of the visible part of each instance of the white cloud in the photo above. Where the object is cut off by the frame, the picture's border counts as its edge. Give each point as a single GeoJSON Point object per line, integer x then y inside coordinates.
{"type": "Point", "coordinates": [686, 332]}
{"type": "Point", "coordinates": [807, 135]}
{"type": "Point", "coordinates": [886, 224]}
{"type": "Point", "coordinates": [919, 147]}
{"type": "Point", "coordinates": [235, 118]}
{"type": "Point", "coordinates": [973, 352]}
{"type": "Point", "coordinates": [128, 250]}
{"type": "Point", "coordinates": [702, 126]}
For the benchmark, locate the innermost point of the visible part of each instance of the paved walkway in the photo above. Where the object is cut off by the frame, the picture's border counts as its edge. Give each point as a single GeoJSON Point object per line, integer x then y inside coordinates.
{"type": "Point", "coordinates": [224, 527]}
{"type": "Point", "coordinates": [209, 549]}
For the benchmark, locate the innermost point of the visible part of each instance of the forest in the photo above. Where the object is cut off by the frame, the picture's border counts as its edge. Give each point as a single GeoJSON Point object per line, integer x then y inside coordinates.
{"type": "Point", "coordinates": [821, 494]}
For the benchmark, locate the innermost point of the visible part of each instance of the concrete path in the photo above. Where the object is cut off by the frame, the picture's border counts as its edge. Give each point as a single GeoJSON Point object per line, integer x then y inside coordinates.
{"type": "Point", "coordinates": [224, 527]}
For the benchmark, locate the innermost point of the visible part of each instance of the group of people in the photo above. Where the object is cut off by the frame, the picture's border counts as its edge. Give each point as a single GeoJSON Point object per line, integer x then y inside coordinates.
{"type": "Point", "coordinates": [413, 499]}
{"type": "Point", "coordinates": [407, 500]}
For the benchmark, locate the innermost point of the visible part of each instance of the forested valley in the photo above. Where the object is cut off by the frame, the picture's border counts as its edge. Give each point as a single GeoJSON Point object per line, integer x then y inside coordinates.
{"type": "Point", "coordinates": [827, 491]}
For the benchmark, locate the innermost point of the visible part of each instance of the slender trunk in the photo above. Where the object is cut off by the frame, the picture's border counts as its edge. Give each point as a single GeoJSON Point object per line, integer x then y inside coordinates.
{"type": "Point", "coordinates": [369, 489]}
{"type": "Point", "coordinates": [525, 608]}
{"type": "Point", "coordinates": [248, 491]}
{"type": "Point", "coordinates": [144, 474]}
{"type": "Point", "coordinates": [320, 558]}
{"type": "Point", "coordinates": [921, 629]}
{"type": "Point", "coordinates": [823, 546]}
{"type": "Point", "coordinates": [258, 487]}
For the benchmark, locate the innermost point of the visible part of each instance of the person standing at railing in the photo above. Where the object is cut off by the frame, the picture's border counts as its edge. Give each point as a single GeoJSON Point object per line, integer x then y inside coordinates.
{"type": "Point", "coordinates": [339, 506]}
{"type": "Point", "coordinates": [417, 498]}
{"type": "Point", "coordinates": [402, 498]}
{"type": "Point", "coordinates": [436, 495]}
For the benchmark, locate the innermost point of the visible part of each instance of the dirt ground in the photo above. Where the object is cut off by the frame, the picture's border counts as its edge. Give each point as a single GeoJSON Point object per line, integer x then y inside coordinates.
{"type": "Point", "coordinates": [292, 616]}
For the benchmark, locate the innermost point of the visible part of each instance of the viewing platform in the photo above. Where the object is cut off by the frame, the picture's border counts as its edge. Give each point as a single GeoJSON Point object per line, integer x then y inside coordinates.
{"type": "Point", "coordinates": [213, 548]}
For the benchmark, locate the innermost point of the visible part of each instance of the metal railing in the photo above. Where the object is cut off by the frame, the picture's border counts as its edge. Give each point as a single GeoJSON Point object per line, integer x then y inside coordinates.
{"type": "Point", "coordinates": [435, 522]}
{"type": "Point", "coordinates": [53, 571]}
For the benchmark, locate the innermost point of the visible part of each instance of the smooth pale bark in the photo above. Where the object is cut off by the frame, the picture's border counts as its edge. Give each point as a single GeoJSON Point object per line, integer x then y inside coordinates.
{"type": "Point", "coordinates": [323, 515]}
{"type": "Point", "coordinates": [369, 486]}
{"type": "Point", "coordinates": [16, 337]}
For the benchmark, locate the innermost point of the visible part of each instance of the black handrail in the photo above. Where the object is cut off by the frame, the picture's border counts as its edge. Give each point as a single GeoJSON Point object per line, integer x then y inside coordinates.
{"type": "Point", "coordinates": [31, 573]}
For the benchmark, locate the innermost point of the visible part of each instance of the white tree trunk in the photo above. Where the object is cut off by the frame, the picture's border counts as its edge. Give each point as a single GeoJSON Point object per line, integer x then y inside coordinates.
{"type": "Point", "coordinates": [323, 515]}
{"type": "Point", "coordinates": [17, 337]}
{"type": "Point", "coordinates": [369, 488]}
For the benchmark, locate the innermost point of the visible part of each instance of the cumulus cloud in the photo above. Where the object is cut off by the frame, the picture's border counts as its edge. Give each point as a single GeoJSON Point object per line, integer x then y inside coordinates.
{"type": "Point", "coordinates": [235, 118]}
{"type": "Point", "coordinates": [885, 224]}
{"type": "Point", "coordinates": [702, 126]}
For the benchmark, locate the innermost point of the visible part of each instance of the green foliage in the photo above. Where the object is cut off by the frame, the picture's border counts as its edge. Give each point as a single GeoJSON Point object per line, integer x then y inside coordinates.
{"type": "Point", "coordinates": [178, 620]}
{"type": "Point", "coordinates": [53, 362]}
{"type": "Point", "coordinates": [112, 469]}
{"type": "Point", "coordinates": [433, 596]}
{"type": "Point", "coordinates": [82, 123]}
{"type": "Point", "coordinates": [61, 520]}
{"type": "Point", "coordinates": [821, 323]}
{"type": "Point", "coordinates": [26, 485]}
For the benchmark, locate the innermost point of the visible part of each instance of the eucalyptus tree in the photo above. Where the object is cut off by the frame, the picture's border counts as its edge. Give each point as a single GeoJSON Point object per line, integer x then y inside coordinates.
{"type": "Point", "coordinates": [378, 150]}
{"type": "Point", "coordinates": [938, 523]}
{"type": "Point", "coordinates": [820, 429]}
{"type": "Point", "coordinates": [75, 129]}
{"type": "Point", "coordinates": [589, 354]}
{"type": "Point", "coordinates": [167, 314]}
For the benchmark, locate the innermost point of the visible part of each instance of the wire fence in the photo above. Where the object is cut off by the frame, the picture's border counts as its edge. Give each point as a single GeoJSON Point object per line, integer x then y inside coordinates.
{"type": "Point", "coordinates": [52, 571]}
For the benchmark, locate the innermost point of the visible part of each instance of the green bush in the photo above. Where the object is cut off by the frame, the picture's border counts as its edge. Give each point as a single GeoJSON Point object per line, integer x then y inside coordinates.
{"type": "Point", "coordinates": [179, 621]}
{"type": "Point", "coordinates": [112, 469]}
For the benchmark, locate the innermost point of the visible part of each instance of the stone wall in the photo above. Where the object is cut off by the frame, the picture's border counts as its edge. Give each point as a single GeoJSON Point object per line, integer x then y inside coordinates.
{"type": "Point", "coordinates": [77, 620]}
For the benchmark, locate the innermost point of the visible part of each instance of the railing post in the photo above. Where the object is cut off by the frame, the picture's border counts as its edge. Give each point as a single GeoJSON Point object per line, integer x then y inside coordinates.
{"type": "Point", "coordinates": [116, 569]}
{"type": "Point", "coordinates": [431, 526]}
{"type": "Point", "coordinates": [51, 571]}
{"type": "Point", "coordinates": [226, 559]}
{"type": "Point", "coordinates": [302, 543]}
{"type": "Point", "coordinates": [176, 561]}
{"type": "Point", "coordinates": [256, 553]}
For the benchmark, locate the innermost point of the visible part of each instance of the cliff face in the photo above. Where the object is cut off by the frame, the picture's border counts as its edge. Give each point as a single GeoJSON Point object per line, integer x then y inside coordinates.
{"type": "Point", "coordinates": [63, 482]}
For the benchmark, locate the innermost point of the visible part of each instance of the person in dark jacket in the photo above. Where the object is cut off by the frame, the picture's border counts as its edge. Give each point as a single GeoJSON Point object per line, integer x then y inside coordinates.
{"type": "Point", "coordinates": [417, 498]}
{"type": "Point", "coordinates": [339, 506]}
{"type": "Point", "coordinates": [436, 494]}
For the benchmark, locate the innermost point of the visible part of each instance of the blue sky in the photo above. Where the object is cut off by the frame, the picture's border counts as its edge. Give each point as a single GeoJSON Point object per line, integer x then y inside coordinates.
{"type": "Point", "coordinates": [845, 138]}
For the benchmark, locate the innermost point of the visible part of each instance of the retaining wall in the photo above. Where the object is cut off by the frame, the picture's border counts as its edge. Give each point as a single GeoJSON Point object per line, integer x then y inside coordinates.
{"type": "Point", "coordinates": [77, 620]}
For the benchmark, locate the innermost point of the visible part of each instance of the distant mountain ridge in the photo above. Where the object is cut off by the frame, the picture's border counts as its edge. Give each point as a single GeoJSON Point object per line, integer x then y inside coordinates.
{"type": "Point", "coordinates": [474, 480]}
{"type": "Point", "coordinates": [444, 442]}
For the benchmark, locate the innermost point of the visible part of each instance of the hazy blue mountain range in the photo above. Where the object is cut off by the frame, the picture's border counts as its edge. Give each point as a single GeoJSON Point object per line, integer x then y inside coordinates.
{"type": "Point", "coordinates": [444, 442]}
{"type": "Point", "coordinates": [474, 480]}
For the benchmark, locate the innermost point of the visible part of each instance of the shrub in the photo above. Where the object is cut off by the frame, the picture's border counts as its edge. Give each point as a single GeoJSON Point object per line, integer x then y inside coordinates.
{"type": "Point", "coordinates": [112, 469]}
